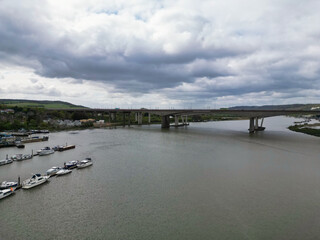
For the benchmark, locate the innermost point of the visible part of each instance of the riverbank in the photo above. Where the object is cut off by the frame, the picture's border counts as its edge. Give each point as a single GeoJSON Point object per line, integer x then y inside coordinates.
{"type": "Point", "coordinates": [310, 129]}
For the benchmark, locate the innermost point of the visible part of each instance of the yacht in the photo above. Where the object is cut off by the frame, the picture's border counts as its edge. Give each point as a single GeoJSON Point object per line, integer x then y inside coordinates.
{"type": "Point", "coordinates": [53, 171]}
{"type": "Point", "coordinates": [84, 163]}
{"type": "Point", "coordinates": [71, 164]}
{"type": "Point", "coordinates": [6, 192]}
{"type": "Point", "coordinates": [5, 185]}
{"type": "Point", "coordinates": [35, 180]}
{"type": "Point", "coordinates": [63, 172]}
{"type": "Point", "coordinates": [45, 151]}
{"type": "Point", "coordinates": [6, 161]}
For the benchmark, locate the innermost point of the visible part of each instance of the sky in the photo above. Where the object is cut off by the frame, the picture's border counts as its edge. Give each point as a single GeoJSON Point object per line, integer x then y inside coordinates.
{"type": "Point", "coordinates": [161, 54]}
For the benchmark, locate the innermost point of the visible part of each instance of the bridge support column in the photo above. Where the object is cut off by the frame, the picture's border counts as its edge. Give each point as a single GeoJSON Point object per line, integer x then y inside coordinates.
{"type": "Point", "coordinates": [136, 117]}
{"type": "Point", "coordinates": [129, 120]}
{"type": "Point", "coordinates": [165, 122]}
{"type": "Point", "coordinates": [149, 118]}
{"type": "Point", "coordinates": [176, 120]}
{"type": "Point", "coordinates": [251, 125]}
{"type": "Point", "coordinates": [140, 118]}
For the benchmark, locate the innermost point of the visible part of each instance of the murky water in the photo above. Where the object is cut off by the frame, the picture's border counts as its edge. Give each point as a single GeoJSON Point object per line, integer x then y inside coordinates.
{"type": "Point", "coordinates": [207, 181]}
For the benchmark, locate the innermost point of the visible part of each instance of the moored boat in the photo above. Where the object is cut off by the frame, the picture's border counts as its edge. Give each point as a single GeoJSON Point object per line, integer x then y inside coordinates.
{"type": "Point", "coordinates": [21, 157]}
{"type": "Point", "coordinates": [85, 163]}
{"type": "Point", "coordinates": [6, 185]}
{"type": "Point", "coordinates": [45, 151]}
{"type": "Point", "coordinates": [6, 161]}
{"type": "Point", "coordinates": [53, 171]}
{"type": "Point", "coordinates": [70, 164]}
{"type": "Point", "coordinates": [63, 172]}
{"type": "Point", "coordinates": [34, 181]}
{"type": "Point", "coordinates": [6, 192]}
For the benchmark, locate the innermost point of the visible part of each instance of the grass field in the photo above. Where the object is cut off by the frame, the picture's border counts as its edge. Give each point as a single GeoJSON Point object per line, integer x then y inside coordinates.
{"type": "Point", "coordinates": [38, 104]}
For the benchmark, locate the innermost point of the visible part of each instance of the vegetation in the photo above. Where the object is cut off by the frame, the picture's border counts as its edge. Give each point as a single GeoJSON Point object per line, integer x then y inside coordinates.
{"type": "Point", "coordinates": [10, 103]}
{"type": "Point", "coordinates": [307, 129]}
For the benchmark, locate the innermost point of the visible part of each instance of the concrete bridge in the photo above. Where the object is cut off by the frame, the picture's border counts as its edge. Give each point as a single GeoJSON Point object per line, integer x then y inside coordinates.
{"type": "Point", "coordinates": [182, 114]}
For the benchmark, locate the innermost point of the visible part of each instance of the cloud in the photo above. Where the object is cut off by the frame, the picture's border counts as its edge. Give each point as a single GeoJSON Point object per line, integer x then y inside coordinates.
{"type": "Point", "coordinates": [183, 50]}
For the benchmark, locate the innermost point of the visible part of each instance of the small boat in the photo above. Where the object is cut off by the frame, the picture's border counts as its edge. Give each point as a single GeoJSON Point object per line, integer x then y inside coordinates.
{"type": "Point", "coordinates": [6, 185]}
{"type": "Point", "coordinates": [19, 144]}
{"type": "Point", "coordinates": [6, 161]}
{"type": "Point", "coordinates": [6, 192]}
{"type": "Point", "coordinates": [63, 172]}
{"type": "Point", "coordinates": [71, 164]}
{"type": "Point", "coordinates": [85, 163]}
{"type": "Point", "coordinates": [67, 147]}
{"type": "Point", "coordinates": [56, 148]}
{"type": "Point", "coordinates": [21, 157]}
{"type": "Point", "coordinates": [53, 171]}
{"type": "Point", "coordinates": [45, 151]}
{"type": "Point", "coordinates": [35, 180]}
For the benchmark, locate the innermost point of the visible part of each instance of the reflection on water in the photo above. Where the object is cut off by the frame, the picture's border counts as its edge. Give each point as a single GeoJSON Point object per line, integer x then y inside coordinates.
{"type": "Point", "coordinates": [207, 181]}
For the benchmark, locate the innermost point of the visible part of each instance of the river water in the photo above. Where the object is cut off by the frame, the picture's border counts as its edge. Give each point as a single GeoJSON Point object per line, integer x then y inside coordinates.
{"type": "Point", "coordinates": [206, 181]}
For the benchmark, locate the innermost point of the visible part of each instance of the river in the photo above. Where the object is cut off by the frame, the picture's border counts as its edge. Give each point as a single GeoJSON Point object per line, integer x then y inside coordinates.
{"type": "Point", "coordinates": [209, 180]}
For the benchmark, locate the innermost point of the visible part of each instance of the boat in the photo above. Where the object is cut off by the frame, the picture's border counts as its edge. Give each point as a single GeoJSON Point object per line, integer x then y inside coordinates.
{"type": "Point", "coordinates": [34, 181]}
{"type": "Point", "coordinates": [70, 164]}
{"type": "Point", "coordinates": [45, 151]}
{"type": "Point", "coordinates": [53, 171]}
{"type": "Point", "coordinates": [6, 185]}
{"type": "Point", "coordinates": [21, 157]}
{"type": "Point", "coordinates": [67, 147]}
{"type": "Point", "coordinates": [6, 192]}
{"type": "Point", "coordinates": [85, 163]}
{"type": "Point", "coordinates": [62, 148]}
{"type": "Point", "coordinates": [6, 161]}
{"type": "Point", "coordinates": [63, 172]}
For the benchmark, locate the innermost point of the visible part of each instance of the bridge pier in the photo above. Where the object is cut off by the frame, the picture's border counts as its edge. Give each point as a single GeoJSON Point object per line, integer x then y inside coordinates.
{"type": "Point", "coordinates": [165, 122]}
{"type": "Point", "coordinates": [149, 118]}
{"type": "Point", "coordinates": [254, 125]}
{"type": "Point", "coordinates": [176, 120]}
{"type": "Point", "coordinates": [140, 118]}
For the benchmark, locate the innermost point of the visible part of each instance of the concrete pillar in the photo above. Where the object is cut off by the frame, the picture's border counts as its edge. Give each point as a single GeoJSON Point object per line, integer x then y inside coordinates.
{"type": "Point", "coordinates": [113, 116]}
{"type": "Point", "coordinates": [140, 118]}
{"type": "Point", "coordinates": [186, 120]}
{"type": "Point", "coordinates": [165, 122]}
{"type": "Point", "coordinates": [176, 120]}
{"type": "Point", "coordinates": [129, 120]}
{"type": "Point", "coordinates": [136, 117]}
{"type": "Point", "coordinates": [182, 120]}
{"type": "Point", "coordinates": [262, 122]}
{"type": "Point", "coordinates": [256, 123]}
{"type": "Point", "coordinates": [109, 117]}
{"type": "Point", "coordinates": [251, 125]}
{"type": "Point", "coordinates": [149, 120]}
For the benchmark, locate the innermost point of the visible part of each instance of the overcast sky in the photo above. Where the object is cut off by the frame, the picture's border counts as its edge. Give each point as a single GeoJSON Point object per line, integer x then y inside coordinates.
{"type": "Point", "coordinates": [161, 54]}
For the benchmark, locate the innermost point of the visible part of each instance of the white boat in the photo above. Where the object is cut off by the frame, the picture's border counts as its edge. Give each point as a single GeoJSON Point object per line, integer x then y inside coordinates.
{"type": "Point", "coordinates": [21, 157]}
{"type": "Point", "coordinates": [45, 151]}
{"type": "Point", "coordinates": [5, 185]}
{"type": "Point", "coordinates": [6, 192]}
{"type": "Point", "coordinates": [6, 161]}
{"type": "Point", "coordinates": [35, 180]}
{"type": "Point", "coordinates": [63, 172]}
{"type": "Point", "coordinates": [53, 171]}
{"type": "Point", "coordinates": [84, 163]}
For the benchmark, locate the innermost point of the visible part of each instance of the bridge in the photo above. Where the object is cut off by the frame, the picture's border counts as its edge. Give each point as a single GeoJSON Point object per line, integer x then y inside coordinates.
{"type": "Point", "coordinates": [165, 114]}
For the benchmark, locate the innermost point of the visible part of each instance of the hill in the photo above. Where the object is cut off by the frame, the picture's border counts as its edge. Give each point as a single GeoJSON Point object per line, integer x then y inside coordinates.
{"type": "Point", "coordinates": [38, 104]}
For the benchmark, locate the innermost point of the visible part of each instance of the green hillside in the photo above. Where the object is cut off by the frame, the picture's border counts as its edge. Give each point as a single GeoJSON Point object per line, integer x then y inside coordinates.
{"type": "Point", "coordinates": [38, 104]}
